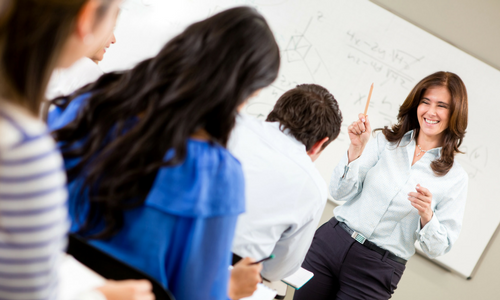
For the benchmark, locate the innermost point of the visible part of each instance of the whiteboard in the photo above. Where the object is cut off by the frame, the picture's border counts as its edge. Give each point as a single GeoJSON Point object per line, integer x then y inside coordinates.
{"type": "Point", "coordinates": [345, 45]}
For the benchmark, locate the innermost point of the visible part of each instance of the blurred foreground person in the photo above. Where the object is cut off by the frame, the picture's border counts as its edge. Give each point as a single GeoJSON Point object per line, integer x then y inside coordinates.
{"type": "Point", "coordinates": [35, 37]}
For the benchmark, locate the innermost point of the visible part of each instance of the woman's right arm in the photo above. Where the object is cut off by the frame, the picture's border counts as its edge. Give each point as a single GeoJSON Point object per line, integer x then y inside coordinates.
{"type": "Point", "coordinates": [348, 177]}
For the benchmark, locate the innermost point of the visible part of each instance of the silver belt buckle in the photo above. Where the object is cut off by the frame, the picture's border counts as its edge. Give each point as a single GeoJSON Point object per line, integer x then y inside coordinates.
{"type": "Point", "coordinates": [358, 237]}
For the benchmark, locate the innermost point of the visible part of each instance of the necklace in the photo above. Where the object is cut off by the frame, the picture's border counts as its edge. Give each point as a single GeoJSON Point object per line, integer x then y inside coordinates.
{"type": "Point", "coordinates": [418, 154]}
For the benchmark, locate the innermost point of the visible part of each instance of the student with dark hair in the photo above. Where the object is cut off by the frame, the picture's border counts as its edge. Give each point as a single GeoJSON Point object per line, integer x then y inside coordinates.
{"type": "Point", "coordinates": [150, 179]}
{"type": "Point", "coordinates": [400, 188]}
{"type": "Point", "coordinates": [35, 37]}
{"type": "Point", "coordinates": [285, 193]}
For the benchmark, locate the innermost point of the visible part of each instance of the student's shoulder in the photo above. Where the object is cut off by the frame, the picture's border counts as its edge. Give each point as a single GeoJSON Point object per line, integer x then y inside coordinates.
{"type": "Point", "coordinates": [252, 131]}
{"type": "Point", "coordinates": [208, 156]}
{"type": "Point", "coordinates": [209, 182]}
{"type": "Point", "coordinates": [255, 125]}
{"type": "Point", "coordinates": [246, 125]}
{"type": "Point", "coordinates": [209, 153]}
{"type": "Point", "coordinates": [216, 162]}
{"type": "Point", "coordinates": [18, 125]}
{"type": "Point", "coordinates": [251, 139]}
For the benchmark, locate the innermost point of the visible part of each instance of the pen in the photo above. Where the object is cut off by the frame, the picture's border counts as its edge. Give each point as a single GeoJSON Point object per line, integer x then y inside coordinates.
{"type": "Point", "coordinates": [264, 259]}
{"type": "Point", "coordinates": [368, 101]}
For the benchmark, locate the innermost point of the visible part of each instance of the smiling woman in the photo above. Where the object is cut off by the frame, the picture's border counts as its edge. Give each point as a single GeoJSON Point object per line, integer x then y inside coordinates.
{"type": "Point", "coordinates": [99, 55]}
{"type": "Point", "coordinates": [405, 187]}
{"type": "Point", "coordinates": [433, 115]}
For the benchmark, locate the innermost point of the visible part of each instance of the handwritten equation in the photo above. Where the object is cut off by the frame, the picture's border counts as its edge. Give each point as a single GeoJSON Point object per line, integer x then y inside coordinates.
{"type": "Point", "coordinates": [395, 63]}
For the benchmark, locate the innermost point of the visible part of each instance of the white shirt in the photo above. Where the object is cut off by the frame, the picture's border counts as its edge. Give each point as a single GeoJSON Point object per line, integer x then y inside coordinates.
{"type": "Point", "coordinates": [65, 81]}
{"type": "Point", "coordinates": [376, 185]}
{"type": "Point", "coordinates": [285, 196]}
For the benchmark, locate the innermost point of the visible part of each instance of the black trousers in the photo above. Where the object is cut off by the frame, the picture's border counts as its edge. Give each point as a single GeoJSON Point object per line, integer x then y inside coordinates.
{"type": "Point", "coordinates": [344, 269]}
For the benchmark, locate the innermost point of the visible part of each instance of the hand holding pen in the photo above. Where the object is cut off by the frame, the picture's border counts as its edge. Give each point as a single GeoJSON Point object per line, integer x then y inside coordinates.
{"type": "Point", "coordinates": [244, 277]}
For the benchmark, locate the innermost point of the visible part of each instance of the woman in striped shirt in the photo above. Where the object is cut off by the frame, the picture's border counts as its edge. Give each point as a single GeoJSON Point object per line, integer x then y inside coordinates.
{"type": "Point", "coordinates": [35, 37]}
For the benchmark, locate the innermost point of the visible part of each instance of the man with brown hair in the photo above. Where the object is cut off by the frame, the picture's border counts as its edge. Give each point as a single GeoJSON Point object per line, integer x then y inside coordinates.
{"type": "Point", "coordinates": [285, 194]}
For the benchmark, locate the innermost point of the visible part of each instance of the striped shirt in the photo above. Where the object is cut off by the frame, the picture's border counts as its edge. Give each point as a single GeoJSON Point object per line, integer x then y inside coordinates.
{"type": "Point", "coordinates": [33, 211]}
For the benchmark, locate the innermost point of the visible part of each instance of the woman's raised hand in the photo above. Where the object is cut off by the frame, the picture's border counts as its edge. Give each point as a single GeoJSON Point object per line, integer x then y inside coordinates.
{"type": "Point", "coordinates": [359, 134]}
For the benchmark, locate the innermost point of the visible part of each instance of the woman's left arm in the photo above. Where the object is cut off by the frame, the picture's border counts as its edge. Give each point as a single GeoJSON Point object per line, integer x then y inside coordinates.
{"type": "Point", "coordinates": [438, 229]}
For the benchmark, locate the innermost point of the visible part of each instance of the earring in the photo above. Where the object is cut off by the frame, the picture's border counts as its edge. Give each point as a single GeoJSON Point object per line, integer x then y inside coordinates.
{"type": "Point", "coordinates": [88, 39]}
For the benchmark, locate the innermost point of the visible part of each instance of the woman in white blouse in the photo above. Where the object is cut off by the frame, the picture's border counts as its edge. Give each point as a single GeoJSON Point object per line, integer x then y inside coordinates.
{"type": "Point", "coordinates": [404, 186]}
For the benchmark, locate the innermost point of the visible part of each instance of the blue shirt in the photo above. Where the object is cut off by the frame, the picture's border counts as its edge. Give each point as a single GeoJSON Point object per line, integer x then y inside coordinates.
{"type": "Point", "coordinates": [182, 235]}
{"type": "Point", "coordinates": [376, 185]}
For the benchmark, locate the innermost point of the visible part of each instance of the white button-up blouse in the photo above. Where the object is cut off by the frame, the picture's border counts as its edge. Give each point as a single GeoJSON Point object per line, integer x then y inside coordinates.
{"type": "Point", "coordinates": [376, 185]}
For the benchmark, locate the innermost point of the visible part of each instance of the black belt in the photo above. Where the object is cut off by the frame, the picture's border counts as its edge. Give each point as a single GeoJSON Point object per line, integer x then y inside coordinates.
{"type": "Point", "coordinates": [362, 240]}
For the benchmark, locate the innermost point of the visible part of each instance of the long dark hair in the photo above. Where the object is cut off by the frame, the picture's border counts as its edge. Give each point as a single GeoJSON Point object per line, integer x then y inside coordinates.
{"type": "Point", "coordinates": [32, 35]}
{"type": "Point", "coordinates": [197, 80]}
{"type": "Point", "coordinates": [453, 135]}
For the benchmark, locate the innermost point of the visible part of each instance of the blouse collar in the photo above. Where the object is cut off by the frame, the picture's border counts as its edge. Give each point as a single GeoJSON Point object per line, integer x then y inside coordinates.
{"type": "Point", "coordinates": [410, 135]}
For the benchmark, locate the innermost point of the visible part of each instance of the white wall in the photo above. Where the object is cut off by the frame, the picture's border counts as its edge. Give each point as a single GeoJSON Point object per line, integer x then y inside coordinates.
{"type": "Point", "coordinates": [473, 26]}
